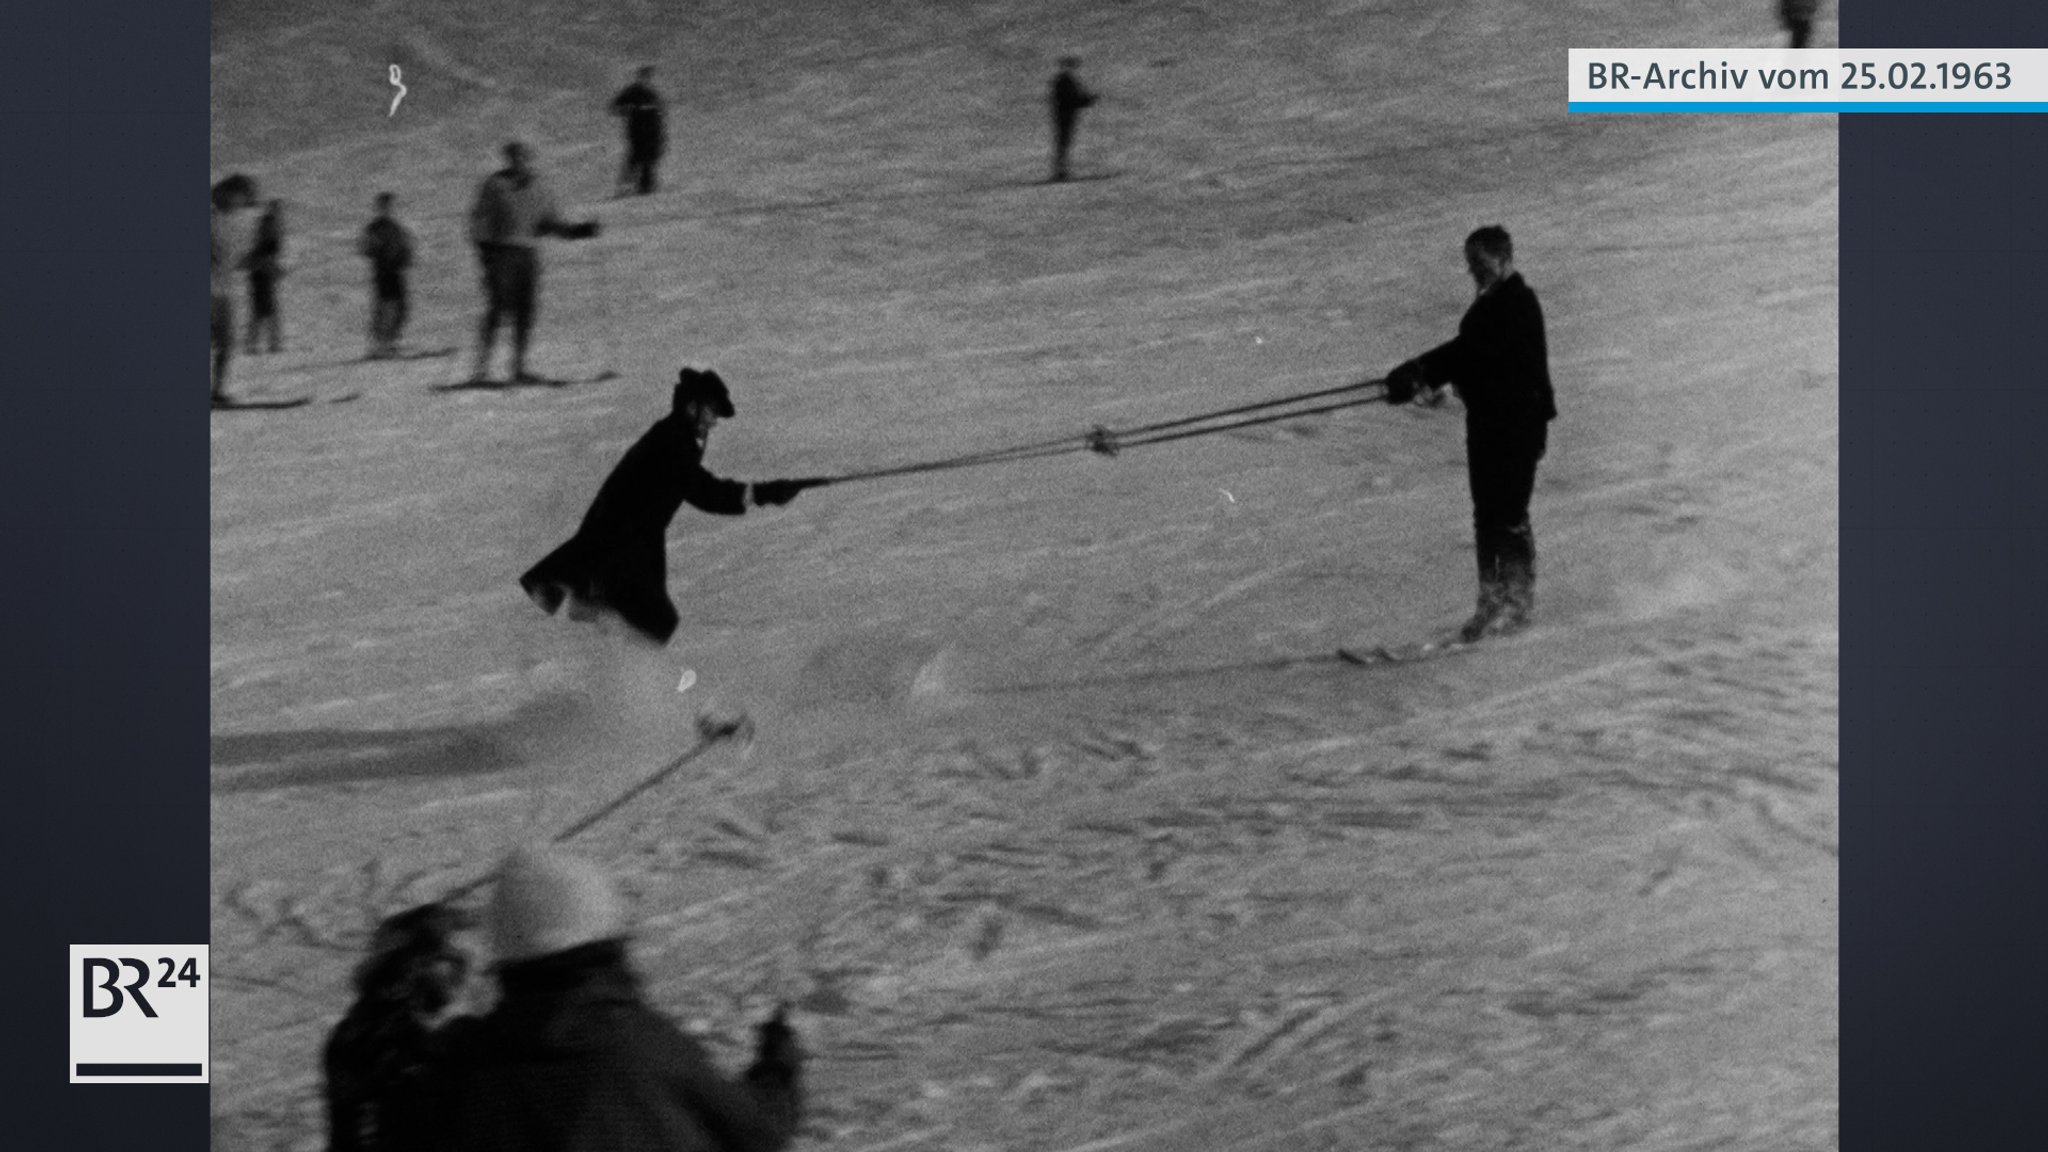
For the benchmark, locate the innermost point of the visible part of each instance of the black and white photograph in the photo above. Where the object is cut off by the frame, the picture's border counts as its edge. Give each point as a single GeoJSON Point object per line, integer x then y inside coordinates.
{"type": "Point", "coordinates": [984, 575]}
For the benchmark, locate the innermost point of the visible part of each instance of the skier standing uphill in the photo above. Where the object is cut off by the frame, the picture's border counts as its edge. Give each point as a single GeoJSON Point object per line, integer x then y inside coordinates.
{"type": "Point", "coordinates": [387, 245]}
{"type": "Point", "coordinates": [233, 238]}
{"type": "Point", "coordinates": [1067, 97]}
{"type": "Point", "coordinates": [513, 210]}
{"type": "Point", "coordinates": [617, 561]}
{"type": "Point", "coordinates": [266, 268]}
{"type": "Point", "coordinates": [1797, 17]}
{"type": "Point", "coordinates": [1500, 367]}
{"type": "Point", "coordinates": [639, 105]}
{"type": "Point", "coordinates": [573, 1059]}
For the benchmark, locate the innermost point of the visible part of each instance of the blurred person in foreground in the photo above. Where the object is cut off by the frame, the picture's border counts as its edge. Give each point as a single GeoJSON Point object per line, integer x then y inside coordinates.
{"type": "Point", "coordinates": [1500, 366]}
{"type": "Point", "coordinates": [573, 1059]}
{"type": "Point", "coordinates": [513, 210]}
{"type": "Point", "coordinates": [617, 562]}
{"type": "Point", "coordinates": [375, 1060]}
{"type": "Point", "coordinates": [233, 239]}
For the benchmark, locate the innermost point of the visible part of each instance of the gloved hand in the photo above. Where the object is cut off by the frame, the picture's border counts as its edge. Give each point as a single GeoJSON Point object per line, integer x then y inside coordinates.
{"type": "Point", "coordinates": [779, 492]}
{"type": "Point", "coordinates": [1403, 382]}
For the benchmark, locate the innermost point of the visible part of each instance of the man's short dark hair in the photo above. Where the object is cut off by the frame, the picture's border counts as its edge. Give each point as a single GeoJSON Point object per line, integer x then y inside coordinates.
{"type": "Point", "coordinates": [1492, 240]}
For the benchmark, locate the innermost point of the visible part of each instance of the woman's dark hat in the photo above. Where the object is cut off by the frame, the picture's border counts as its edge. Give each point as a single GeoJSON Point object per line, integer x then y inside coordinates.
{"type": "Point", "coordinates": [695, 386]}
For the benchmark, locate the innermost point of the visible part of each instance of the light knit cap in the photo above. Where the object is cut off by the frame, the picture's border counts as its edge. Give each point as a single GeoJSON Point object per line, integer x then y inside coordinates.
{"type": "Point", "coordinates": [549, 901]}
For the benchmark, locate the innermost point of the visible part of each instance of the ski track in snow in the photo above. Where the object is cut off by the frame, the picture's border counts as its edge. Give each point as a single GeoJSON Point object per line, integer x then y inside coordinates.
{"type": "Point", "coordinates": [1064, 829]}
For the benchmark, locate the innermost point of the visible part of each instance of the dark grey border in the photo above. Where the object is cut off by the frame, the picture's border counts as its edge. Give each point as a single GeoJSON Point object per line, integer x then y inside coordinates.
{"type": "Point", "coordinates": [103, 669]}
{"type": "Point", "coordinates": [1944, 554]}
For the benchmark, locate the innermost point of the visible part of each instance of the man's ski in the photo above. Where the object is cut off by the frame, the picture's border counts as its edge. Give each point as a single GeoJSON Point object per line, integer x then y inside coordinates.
{"type": "Point", "coordinates": [1403, 653]}
{"type": "Point", "coordinates": [409, 354]}
{"type": "Point", "coordinates": [261, 405]}
{"type": "Point", "coordinates": [488, 385]}
{"type": "Point", "coordinates": [280, 403]}
{"type": "Point", "coordinates": [1444, 644]}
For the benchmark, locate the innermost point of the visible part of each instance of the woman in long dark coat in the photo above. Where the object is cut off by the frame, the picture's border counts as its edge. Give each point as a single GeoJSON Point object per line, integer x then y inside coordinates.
{"type": "Point", "coordinates": [617, 561]}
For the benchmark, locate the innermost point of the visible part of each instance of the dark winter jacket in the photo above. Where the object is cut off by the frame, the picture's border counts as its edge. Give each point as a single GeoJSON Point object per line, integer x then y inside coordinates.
{"type": "Point", "coordinates": [515, 208]}
{"type": "Point", "coordinates": [376, 1058]}
{"type": "Point", "coordinates": [1499, 362]}
{"type": "Point", "coordinates": [618, 558]}
{"type": "Point", "coordinates": [1069, 97]}
{"type": "Point", "coordinates": [572, 1059]}
{"type": "Point", "coordinates": [266, 256]}
{"type": "Point", "coordinates": [387, 245]}
{"type": "Point", "coordinates": [373, 1067]}
{"type": "Point", "coordinates": [646, 132]}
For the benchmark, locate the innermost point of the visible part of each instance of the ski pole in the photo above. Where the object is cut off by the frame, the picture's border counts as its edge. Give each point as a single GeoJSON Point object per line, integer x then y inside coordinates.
{"type": "Point", "coordinates": [710, 734]}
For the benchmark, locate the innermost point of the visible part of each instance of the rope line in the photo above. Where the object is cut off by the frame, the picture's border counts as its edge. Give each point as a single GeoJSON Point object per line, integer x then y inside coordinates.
{"type": "Point", "coordinates": [1110, 441]}
{"type": "Point", "coordinates": [1252, 422]}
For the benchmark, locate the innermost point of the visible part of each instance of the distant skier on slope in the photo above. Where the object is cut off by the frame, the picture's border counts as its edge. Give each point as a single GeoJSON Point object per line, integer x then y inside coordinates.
{"type": "Point", "coordinates": [617, 562]}
{"type": "Point", "coordinates": [387, 245]}
{"type": "Point", "coordinates": [513, 210]}
{"type": "Point", "coordinates": [266, 268]}
{"type": "Point", "coordinates": [233, 238]}
{"type": "Point", "coordinates": [1797, 16]}
{"type": "Point", "coordinates": [640, 107]}
{"type": "Point", "coordinates": [1500, 366]}
{"type": "Point", "coordinates": [1066, 97]}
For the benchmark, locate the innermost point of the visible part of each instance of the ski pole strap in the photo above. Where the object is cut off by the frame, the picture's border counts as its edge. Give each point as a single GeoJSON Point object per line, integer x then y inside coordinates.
{"type": "Point", "coordinates": [1109, 441]}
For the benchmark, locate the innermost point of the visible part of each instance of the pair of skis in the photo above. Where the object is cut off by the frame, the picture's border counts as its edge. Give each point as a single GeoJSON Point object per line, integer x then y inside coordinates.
{"type": "Point", "coordinates": [277, 403]}
{"type": "Point", "coordinates": [488, 385]}
{"type": "Point", "coordinates": [1443, 644]}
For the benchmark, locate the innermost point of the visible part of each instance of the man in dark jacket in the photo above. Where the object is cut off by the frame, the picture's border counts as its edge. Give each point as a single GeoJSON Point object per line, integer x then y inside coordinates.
{"type": "Point", "coordinates": [573, 1059]}
{"type": "Point", "coordinates": [639, 105]}
{"type": "Point", "coordinates": [1067, 98]}
{"type": "Point", "coordinates": [1500, 367]}
{"type": "Point", "coordinates": [617, 562]}
{"type": "Point", "coordinates": [388, 247]}
{"type": "Point", "coordinates": [513, 210]}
